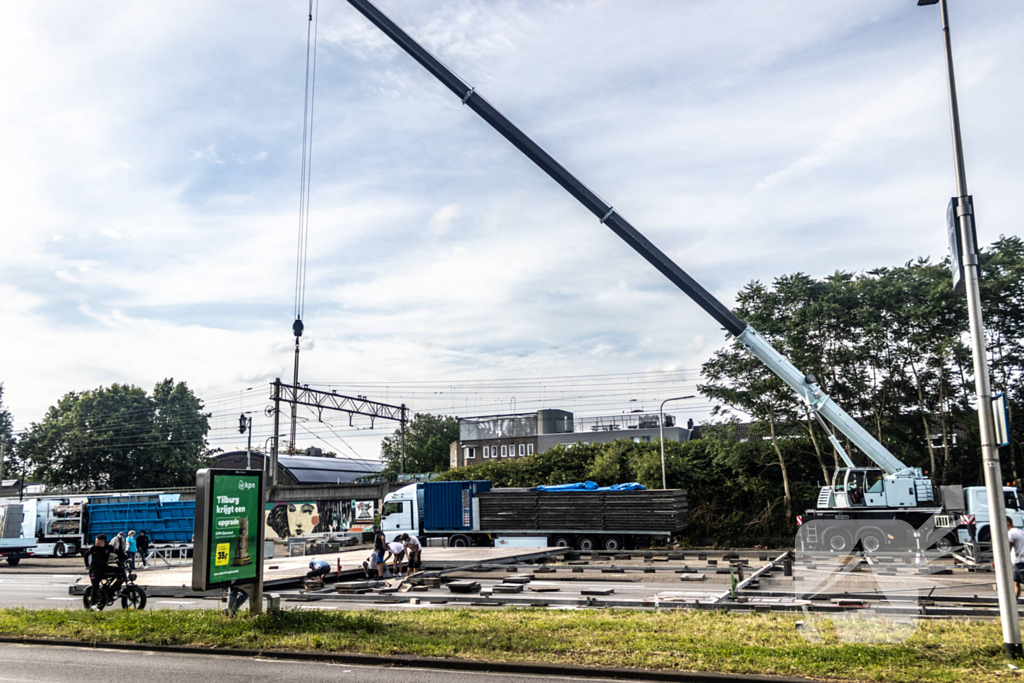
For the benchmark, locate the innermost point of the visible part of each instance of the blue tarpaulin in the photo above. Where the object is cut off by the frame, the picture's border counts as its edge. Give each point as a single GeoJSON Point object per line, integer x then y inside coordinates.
{"type": "Point", "coordinates": [591, 486]}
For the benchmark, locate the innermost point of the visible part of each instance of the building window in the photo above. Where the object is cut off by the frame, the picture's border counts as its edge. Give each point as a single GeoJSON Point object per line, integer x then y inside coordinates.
{"type": "Point", "coordinates": [504, 451]}
{"type": "Point", "coordinates": [470, 454]}
{"type": "Point", "coordinates": [529, 449]}
{"type": "Point", "coordinates": [487, 451]}
{"type": "Point", "coordinates": [522, 449]}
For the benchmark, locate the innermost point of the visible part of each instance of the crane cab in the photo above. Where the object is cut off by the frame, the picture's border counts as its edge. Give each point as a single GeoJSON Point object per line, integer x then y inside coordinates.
{"type": "Point", "coordinates": [871, 487]}
{"type": "Point", "coordinates": [858, 487]}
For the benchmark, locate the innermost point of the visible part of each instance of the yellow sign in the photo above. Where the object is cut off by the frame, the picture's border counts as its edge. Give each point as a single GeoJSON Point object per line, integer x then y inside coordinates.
{"type": "Point", "coordinates": [223, 550]}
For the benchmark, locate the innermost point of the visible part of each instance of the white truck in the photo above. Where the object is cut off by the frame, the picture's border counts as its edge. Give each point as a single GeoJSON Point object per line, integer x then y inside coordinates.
{"type": "Point", "coordinates": [13, 543]}
{"type": "Point", "coordinates": [976, 507]}
{"type": "Point", "coordinates": [54, 526]}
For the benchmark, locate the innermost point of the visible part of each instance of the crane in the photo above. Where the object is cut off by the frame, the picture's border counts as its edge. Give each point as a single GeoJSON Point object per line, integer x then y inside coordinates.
{"type": "Point", "coordinates": [890, 484]}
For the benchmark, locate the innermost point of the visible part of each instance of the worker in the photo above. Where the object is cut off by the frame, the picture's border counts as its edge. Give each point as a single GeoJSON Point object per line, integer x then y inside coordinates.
{"type": "Point", "coordinates": [413, 550]}
{"type": "Point", "coordinates": [370, 565]}
{"type": "Point", "coordinates": [318, 569]}
{"type": "Point", "coordinates": [396, 550]}
{"type": "Point", "coordinates": [379, 546]}
{"type": "Point", "coordinates": [1016, 554]}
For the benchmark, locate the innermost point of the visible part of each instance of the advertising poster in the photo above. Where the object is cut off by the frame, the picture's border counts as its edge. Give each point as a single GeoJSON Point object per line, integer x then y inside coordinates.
{"type": "Point", "coordinates": [235, 516]}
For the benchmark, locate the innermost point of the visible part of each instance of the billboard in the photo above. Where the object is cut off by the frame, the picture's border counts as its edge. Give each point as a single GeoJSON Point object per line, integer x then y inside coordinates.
{"type": "Point", "coordinates": [229, 525]}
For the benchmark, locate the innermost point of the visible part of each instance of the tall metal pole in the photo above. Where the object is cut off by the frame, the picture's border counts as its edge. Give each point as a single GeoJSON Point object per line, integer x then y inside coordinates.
{"type": "Point", "coordinates": [3, 445]}
{"type": "Point", "coordinates": [277, 432]}
{"type": "Point", "coordinates": [989, 449]}
{"type": "Point", "coordinates": [295, 395]}
{"type": "Point", "coordinates": [661, 428]}
{"type": "Point", "coordinates": [403, 439]}
{"type": "Point", "coordinates": [248, 448]}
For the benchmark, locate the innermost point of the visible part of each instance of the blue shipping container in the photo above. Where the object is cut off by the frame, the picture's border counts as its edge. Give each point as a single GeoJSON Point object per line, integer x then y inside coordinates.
{"type": "Point", "coordinates": [448, 505]}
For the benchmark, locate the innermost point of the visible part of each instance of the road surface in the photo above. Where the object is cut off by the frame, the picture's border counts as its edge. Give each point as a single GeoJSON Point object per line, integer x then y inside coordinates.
{"type": "Point", "coordinates": [50, 664]}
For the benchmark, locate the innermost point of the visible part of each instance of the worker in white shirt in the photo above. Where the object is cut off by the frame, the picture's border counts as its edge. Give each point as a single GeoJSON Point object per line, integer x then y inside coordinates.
{"type": "Point", "coordinates": [396, 549]}
{"type": "Point", "coordinates": [1016, 554]}
{"type": "Point", "coordinates": [413, 550]}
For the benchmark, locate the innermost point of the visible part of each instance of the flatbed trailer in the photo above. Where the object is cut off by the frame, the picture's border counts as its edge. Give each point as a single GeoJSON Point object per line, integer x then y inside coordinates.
{"type": "Point", "coordinates": [471, 513]}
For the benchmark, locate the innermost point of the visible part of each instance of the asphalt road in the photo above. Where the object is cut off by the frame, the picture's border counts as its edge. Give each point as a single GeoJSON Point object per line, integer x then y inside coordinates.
{"type": "Point", "coordinates": [50, 664]}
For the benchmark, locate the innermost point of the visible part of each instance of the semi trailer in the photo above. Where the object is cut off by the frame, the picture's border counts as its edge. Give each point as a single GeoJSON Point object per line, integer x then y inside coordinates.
{"type": "Point", "coordinates": [63, 526]}
{"type": "Point", "coordinates": [472, 513]}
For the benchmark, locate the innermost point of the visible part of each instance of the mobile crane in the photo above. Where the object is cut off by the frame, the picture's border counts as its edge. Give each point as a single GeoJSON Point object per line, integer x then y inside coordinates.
{"type": "Point", "coordinates": [888, 491]}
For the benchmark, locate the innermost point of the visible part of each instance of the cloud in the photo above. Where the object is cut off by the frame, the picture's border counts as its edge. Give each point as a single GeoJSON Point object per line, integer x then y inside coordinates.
{"type": "Point", "coordinates": [208, 154]}
{"type": "Point", "coordinates": [152, 178]}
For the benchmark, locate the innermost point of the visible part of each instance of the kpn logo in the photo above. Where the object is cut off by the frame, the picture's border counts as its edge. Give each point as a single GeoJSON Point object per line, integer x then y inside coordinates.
{"type": "Point", "coordinates": [245, 485]}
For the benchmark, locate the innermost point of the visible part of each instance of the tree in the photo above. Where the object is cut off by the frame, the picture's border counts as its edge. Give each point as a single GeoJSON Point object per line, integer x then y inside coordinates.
{"type": "Point", "coordinates": [428, 439]}
{"type": "Point", "coordinates": [6, 438]}
{"type": "Point", "coordinates": [119, 437]}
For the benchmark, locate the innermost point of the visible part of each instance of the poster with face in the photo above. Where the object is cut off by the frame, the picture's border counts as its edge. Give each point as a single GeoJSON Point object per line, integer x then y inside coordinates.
{"type": "Point", "coordinates": [302, 518]}
{"type": "Point", "coordinates": [285, 520]}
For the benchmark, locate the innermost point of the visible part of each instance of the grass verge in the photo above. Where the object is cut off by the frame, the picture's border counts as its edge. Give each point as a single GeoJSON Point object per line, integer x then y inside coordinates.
{"type": "Point", "coordinates": [937, 651]}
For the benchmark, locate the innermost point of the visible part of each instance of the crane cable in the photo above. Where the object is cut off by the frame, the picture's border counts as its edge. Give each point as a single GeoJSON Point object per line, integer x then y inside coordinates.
{"type": "Point", "coordinates": [307, 166]}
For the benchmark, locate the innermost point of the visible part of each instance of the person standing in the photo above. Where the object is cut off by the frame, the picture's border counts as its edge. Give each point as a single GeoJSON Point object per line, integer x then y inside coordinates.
{"type": "Point", "coordinates": [142, 542]}
{"type": "Point", "coordinates": [132, 548]}
{"type": "Point", "coordinates": [379, 546]}
{"type": "Point", "coordinates": [413, 551]}
{"type": "Point", "coordinates": [1016, 554]}
{"type": "Point", "coordinates": [118, 541]}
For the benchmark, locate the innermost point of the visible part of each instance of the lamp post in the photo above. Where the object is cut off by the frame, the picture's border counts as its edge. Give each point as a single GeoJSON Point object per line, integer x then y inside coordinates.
{"type": "Point", "coordinates": [661, 427]}
{"type": "Point", "coordinates": [964, 210]}
{"type": "Point", "coordinates": [243, 424]}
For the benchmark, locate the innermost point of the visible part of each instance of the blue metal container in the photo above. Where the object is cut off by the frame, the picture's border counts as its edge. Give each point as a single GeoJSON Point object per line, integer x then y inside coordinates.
{"type": "Point", "coordinates": [448, 505]}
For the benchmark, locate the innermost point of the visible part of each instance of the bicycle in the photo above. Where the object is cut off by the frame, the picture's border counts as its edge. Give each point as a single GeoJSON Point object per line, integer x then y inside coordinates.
{"type": "Point", "coordinates": [132, 597]}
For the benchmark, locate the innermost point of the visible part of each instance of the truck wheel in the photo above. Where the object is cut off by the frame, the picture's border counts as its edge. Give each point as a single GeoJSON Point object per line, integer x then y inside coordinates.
{"type": "Point", "coordinates": [586, 543]}
{"type": "Point", "coordinates": [60, 551]}
{"type": "Point", "coordinates": [13, 561]}
{"type": "Point", "coordinates": [837, 541]}
{"type": "Point", "coordinates": [458, 541]}
{"type": "Point", "coordinates": [985, 535]}
{"type": "Point", "coordinates": [612, 543]}
{"type": "Point", "coordinates": [561, 542]}
{"type": "Point", "coordinates": [871, 542]}
{"type": "Point", "coordinates": [944, 544]}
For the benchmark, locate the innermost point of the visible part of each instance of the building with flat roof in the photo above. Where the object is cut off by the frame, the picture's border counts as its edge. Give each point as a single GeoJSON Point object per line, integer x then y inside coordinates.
{"type": "Point", "coordinates": [299, 470]}
{"type": "Point", "coordinates": [520, 435]}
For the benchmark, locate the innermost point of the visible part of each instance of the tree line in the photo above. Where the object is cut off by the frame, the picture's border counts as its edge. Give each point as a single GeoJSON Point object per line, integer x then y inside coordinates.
{"type": "Point", "coordinates": [890, 346]}
{"type": "Point", "coordinates": [111, 438]}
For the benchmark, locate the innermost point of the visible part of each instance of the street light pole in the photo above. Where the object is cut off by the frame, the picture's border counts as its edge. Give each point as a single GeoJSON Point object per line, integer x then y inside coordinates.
{"type": "Point", "coordinates": [661, 428]}
{"type": "Point", "coordinates": [243, 424]}
{"type": "Point", "coordinates": [989, 448]}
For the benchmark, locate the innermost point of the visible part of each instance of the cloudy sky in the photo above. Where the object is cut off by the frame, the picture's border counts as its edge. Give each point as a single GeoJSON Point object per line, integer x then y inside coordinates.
{"type": "Point", "coordinates": [150, 188]}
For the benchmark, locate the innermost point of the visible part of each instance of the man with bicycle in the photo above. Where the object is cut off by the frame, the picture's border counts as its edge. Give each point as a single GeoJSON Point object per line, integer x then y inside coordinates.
{"type": "Point", "coordinates": [97, 559]}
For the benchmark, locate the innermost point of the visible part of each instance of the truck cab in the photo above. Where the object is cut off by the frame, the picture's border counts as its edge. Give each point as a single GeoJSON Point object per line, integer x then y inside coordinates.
{"type": "Point", "coordinates": [401, 512]}
{"type": "Point", "coordinates": [976, 504]}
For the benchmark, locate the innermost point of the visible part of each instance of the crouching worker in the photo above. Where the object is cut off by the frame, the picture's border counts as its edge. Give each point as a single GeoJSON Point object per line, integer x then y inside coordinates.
{"type": "Point", "coordinates": [318, 569]}
{"type": "Point", "coordinates": [413, 552]}
{"type": "Point", "coordinates": [370, 565]}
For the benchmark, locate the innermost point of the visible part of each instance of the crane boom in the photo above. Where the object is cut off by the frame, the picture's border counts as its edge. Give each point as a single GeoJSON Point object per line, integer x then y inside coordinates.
{"type": "Point", "coordinates": [805, 386]}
